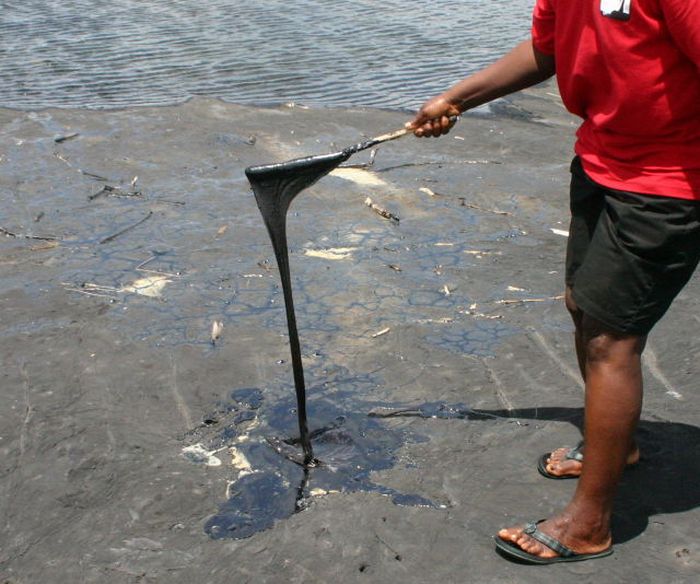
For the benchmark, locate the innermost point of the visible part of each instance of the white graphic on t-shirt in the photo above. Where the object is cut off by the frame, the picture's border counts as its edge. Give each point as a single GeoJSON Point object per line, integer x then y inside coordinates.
{"type": "Point", "coordinates": [618, 9]}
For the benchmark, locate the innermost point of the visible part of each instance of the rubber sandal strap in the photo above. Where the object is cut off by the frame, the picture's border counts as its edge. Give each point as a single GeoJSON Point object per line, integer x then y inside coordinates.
{"type": "Point", "coordinates": [576, 453]}
{"type": "Point", "coordinates": [550, 542]}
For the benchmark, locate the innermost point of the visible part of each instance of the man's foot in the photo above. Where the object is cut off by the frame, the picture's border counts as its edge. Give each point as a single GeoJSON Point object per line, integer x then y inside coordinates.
{"type": "Point", "coordinates": [567, 463]}
{"type": "Point", "coordinates": [562, 538]}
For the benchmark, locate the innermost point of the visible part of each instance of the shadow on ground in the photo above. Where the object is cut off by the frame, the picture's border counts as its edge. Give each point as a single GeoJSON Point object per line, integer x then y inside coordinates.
{"type": "Point", "coordinates": [664, 482]}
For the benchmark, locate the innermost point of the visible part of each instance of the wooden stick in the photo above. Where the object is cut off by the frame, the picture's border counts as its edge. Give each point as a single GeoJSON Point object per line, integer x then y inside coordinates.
{"type": "Point", "coordinates": [9, 233]}
{"type": "Point", "coordinates": [129, 228]}
{"type": "Point", "coordinates": [402, 132]}
{"type": "Point", "coordinates": [381, 210]}
{"type": "Point", "coordinates": [384, 138]}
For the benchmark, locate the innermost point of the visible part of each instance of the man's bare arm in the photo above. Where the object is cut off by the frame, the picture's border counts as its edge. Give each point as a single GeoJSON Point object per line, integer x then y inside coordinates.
{"type": "Point", "coordinates": [522, 67]}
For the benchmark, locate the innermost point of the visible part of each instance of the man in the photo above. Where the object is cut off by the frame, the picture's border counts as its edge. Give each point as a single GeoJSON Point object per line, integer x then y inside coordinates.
{"type": "Point", "coordinates": [631, 70]}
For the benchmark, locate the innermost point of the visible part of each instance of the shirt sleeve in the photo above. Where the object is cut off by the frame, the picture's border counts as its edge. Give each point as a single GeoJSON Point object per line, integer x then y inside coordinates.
{"type": "Point", "coordinates": [683, 21]}
{"type": "Point", "coordinates": [543, 26]}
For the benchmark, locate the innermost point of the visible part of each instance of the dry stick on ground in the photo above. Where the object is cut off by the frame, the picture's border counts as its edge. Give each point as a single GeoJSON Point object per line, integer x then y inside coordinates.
{"type": "Point", "coordinates": [381, 332]}
{"type": "Point", "coordinates": [526, 300]}
{"type": "Point", "coordinates": [463, 203]}
{"type": "Point", "coordinates": [89, 293]}
{"type": "Point", "coordinates": [90, 289]}
{"type": "Point", "coordinates": [141, 268]}
{"type": "Point", "coordinates": [9, 233]}
{"type": "Point", "coordinates": [436, 163]}
{"type": "Point", "coordinates": [368, 164]}
{"type": "Point", "coordinates": [381, 210]}
{"type": "Point", "coordinates": [62, 139]}
{"type": "Point", "coordinates": [111, 191]}
{"type": "Point", "coordinates": [83, 172]}
{"type": "Point", "coordinates": [397, 555]}
{"type": "Point", "coordinates": [129, 228]}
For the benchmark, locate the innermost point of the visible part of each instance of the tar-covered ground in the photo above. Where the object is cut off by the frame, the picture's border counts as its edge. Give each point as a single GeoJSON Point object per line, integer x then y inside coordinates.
{"type": "Point", "coordinates": [145, 369]}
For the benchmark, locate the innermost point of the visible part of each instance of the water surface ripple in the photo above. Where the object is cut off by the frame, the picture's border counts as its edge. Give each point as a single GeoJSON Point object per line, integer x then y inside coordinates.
{"type": "Point", "coordinates": [119, 53]}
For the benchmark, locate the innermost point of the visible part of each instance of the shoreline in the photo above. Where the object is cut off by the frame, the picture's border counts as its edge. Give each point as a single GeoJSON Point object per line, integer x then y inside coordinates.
{"type": "Point", "coordinates": [544, 91]}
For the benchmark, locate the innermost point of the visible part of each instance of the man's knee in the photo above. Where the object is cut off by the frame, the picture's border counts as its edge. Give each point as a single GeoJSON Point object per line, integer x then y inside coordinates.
{"type": "Point", "coordinates": [604, 344]}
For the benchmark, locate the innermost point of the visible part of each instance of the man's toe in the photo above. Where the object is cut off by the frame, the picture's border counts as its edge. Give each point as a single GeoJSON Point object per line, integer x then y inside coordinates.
{"type": "Point", "coordinates": [565, 467]}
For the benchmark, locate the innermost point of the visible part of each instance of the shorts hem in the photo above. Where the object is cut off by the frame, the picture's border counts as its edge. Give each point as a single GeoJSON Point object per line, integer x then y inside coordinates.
{"type": "Point", "coordinates": [591, 309]}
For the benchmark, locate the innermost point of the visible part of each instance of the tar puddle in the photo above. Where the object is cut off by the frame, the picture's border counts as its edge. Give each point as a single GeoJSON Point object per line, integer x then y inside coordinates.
{"type": "Point", "coordinates": [247, 439]}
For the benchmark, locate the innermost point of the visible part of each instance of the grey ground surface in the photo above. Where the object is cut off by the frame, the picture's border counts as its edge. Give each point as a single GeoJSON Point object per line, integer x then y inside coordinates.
{"type": "Point", "coordinates": [103, 385]}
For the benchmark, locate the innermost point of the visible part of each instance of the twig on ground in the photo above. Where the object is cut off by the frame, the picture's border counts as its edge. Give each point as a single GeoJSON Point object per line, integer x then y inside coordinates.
{"type": "Point", "coordinates": [463, 203]}
{"type": "Point", "coordinates": [140, 268]}
{"type": "Point", "coordinates": [9, 233]}
{"type": "Point", "coordinates": [436, 162]}
{"type": "Point", "coordinates": [526, 300]}
{"type": "Point", "coordinates": [385, 412]}
{"type": "Point", "coordinates": [81, 171]}
{"type": "Point", "coordinates": [128, 228]}
{"type": "Point", "coordinates": [368, 164]}
{"type": "Point", "coordinates": [381, 332]}
{"type": "Point", "coordinates": [89, 293]}
{"type": "Point", "coordinates": [61, 139]}
{"type": "Point", "coordinates": [169, 202]}
{"type": "Point", "coordinates": [90, 289]}
{"type": "Point", "coordinates": [110, 191]}
{"type": "Point", "coordinates": [472, 312]}
{"type": "Point", "coordinates": [381, 210]}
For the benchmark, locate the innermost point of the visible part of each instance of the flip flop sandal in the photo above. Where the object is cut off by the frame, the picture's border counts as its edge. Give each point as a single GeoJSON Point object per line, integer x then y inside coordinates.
{"type": "Point", "coordinates": [574, 453]}
{"type": "Point", "coordinates": [512, 551]}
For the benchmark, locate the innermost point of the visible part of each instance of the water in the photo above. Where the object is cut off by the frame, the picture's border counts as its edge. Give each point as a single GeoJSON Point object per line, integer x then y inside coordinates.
{"type": "Point", "coordinates": [119, 53]}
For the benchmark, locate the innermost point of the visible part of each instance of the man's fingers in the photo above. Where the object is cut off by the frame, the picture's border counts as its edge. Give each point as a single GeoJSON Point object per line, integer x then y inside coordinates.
{"type": "Point", "coordinates": [426, 129]}
{"type": "Point", "coordinates": [434, 127]}
{"type": "Point", "coordinates": [446, 124]}
{"type": "Point", "coordinates": [440, 126]}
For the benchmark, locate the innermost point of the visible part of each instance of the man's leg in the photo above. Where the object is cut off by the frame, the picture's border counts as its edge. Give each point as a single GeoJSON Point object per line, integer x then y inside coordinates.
{"type": "Point", "coordinates": [613, 404]}
{"type": "Point", "coordinates": [558, 463]}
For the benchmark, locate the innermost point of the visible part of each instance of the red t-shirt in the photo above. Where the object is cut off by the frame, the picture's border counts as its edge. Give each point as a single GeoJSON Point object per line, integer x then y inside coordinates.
{"type": "Point", "coordinates": [636, 84]}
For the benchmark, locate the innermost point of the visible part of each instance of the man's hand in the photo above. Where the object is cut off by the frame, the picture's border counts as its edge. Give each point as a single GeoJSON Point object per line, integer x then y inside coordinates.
{"type": "Point", "coordinates": [435, 118]}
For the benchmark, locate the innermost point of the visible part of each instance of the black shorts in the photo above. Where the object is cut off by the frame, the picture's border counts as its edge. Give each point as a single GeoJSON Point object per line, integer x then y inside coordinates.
{"type": "Point", "coordinates": [629, 254]}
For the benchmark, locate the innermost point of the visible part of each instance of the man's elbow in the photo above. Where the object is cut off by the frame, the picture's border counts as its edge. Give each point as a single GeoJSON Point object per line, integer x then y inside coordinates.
{"type": "Point", "coordinates": [545, 63]}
